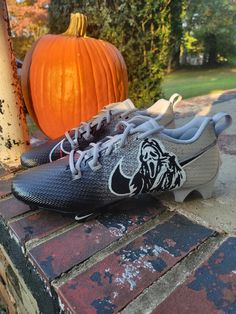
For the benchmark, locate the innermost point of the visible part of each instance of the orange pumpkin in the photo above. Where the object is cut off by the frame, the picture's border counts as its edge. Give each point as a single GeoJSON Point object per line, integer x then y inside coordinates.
{"type": "Point", "coordinates": [68, 78]}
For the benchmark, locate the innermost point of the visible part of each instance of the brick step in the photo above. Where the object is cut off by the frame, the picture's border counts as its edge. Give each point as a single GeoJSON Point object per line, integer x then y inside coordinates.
{"type": "Point", "coordinates": [210, 289]}
{"type": "Point", "coordinates": [115, 281]}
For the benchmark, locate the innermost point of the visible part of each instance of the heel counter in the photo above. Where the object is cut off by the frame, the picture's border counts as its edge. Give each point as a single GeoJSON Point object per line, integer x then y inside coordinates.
{"type": "Point", "coordinates": [203, 169]}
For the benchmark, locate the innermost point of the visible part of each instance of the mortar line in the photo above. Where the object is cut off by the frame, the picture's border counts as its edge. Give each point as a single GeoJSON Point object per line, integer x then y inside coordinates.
{"type": "Point", "coordinates": [161, 289]}
{"type": "Point", "coordinates": [8, 197]}
{"type": "Point", "coordinates": [3, 197]}
{"type": "Point", "coordinates": [111, 248]}
{"type": "Point", "coordinates": [24, 215]}
{"type": "Point", "coordinates": [29, 245]}
{"type": "Point", "coordinates": [199, 220]}
{"type": "Point", "coordinates": [35, 242]}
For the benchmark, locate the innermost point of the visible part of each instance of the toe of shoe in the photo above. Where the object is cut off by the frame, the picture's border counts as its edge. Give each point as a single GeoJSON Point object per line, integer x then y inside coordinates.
{"type": "Point", "coordinates": [20, 187]}
{"type": "Point", "coordinates": [40, 186]}
{"type": "Point", "coordinates": [27, 161]}
{"type": "Point", "coordinates": [34, 157]}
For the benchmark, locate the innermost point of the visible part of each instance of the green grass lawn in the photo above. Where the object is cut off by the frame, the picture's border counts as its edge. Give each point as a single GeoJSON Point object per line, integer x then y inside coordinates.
{"type": "Point", "coordinates": [200, 81]}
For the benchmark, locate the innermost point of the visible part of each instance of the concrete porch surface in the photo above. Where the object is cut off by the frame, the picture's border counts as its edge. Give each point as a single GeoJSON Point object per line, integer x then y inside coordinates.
{"type": "Point", "coordinates": [149, 255]}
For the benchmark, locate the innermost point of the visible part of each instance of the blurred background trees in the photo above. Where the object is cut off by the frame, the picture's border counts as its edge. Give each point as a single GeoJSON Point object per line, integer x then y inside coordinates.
{"type": "Point", "coordinates": [154, 36]}
{"type": "Point", "coordinates": [28, 22]}
{"type": "Point", "coordinates": [212, 27]}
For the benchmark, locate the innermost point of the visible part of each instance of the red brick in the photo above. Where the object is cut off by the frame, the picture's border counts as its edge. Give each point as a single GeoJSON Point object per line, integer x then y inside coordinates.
{"type": "Point", "coordinates": [11, 207]}
{"type": "Point", "coordinates": [111, 284]}
{"type": "Point", "coordinates": [74, 246]}
{"type": "Point", "coordinates": [38, 225]}
{"type": "Point", "coordinates": [5, 187]}
{"type": "Point", "coordinates": [211, 289]}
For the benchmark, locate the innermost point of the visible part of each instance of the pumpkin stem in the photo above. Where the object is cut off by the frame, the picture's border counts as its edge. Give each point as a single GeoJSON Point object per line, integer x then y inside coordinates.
{"type": "Point", "coordinates": [78, 25]}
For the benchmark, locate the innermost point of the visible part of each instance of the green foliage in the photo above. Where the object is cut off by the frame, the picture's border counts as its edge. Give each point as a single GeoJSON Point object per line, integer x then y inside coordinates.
{"type": "Point", "coordinates": [28, 23]}
{"type": "Point", "coordinates": [213, 25]}
{"type": "Point", "coordinates": [176, 33]}
{"type": "Point", "coordinates": [144, 32]}
{"type": "Point", "coordinates": [191, 43]}
{"type": "Point", "coordinates": [21, 44]}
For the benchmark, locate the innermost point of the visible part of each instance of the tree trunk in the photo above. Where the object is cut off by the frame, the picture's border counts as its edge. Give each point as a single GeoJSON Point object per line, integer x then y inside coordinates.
{"type": "Point", "coordinates": [169, 66]}
{"type": "Point", "coordinates": [184, 57]}
{"type": "Point", "coordinates": [13, 130]}
{"type": "Point", "coordinates": [211, 48]}
{"type": "Point", "coordinates": [205, 57]}
{"type": "Point", "coordinates": [174, 61]}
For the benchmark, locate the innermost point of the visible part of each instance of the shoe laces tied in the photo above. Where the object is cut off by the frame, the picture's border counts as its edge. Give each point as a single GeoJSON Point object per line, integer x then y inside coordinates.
{"type": "Point", "coordinates": [108, 146]}
{"type": "Point", "coordinates": [85, 128]}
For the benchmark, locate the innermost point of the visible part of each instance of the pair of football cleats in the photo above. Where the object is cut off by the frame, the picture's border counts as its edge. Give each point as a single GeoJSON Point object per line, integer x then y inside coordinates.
{"type": "Point", "coordinates": [120, 153]}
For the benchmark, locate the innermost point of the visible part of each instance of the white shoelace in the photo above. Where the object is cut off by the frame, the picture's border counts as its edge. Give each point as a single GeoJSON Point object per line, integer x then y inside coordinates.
{"type": "Point", "coordinates": [85, 128]}
{"type": "Point", "coordinates": [107, 146]}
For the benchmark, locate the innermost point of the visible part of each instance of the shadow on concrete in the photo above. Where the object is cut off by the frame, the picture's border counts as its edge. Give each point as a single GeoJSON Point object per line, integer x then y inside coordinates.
{"type": "Point", "coordinates": [227, 96]}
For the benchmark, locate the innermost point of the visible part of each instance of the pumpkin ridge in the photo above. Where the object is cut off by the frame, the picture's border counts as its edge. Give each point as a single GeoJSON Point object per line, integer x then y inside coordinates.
{"type": "Point", "coordinates": [59, 73]}
{"type": "Point", "coordinates": [101, 83]}
{"type": "Point", "coordinates": [84, 71]}
{"type": "Point", "coordinates": [86, 44]}
{"type": "Point", "coordinates": [68, 113]}
{"type": "Point", "coordinates": [123, 75]}
{"type": "Point", "coordinates": [112, 97]}
{"type": "Point", "coordinates": [87, 87]}
{"type": "Point", "coordinates": [76, 110]}
{"type": "Point", "coordinates": [113, 68]}
{"type": "Point", "coordinates": [50, 114]}
{"type": "Point", "coordinates": [42, 78]}
{"type": "Point", "coordinates": [44, 109]}
{"type": "Point", "coordinates": [118, 78]}
{"type": "Point", "coordinates": [46, 72]}
{"type": "Point", "coordinates": [103, 70]}
{"type": "Point", "coordinates": [25, 82]}
{"type": "Point", "coordinates": [33, 79]}
{"type": "Point", "coordinates": [64, 48]}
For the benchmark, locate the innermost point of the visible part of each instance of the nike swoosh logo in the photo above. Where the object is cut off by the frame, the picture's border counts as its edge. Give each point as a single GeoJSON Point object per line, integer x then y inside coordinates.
{"type": "Point", "coordinates": [187, 161]}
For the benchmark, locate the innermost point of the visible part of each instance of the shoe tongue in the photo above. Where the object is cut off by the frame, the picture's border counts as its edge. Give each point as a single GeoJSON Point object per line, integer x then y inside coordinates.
{"type": "Point", "coordinates": [122, 106]}
{"type": "Point", "coordinates": [158, 107]}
